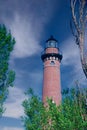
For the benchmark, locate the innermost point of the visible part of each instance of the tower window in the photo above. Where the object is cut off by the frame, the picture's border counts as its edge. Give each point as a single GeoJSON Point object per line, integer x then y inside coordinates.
{"type": "Point", "coordinates": [52, 63]}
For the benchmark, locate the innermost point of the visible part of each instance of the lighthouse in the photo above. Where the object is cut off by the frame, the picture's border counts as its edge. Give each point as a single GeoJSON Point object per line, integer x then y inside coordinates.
{"type": "Point", "coordinates": [51, 58]}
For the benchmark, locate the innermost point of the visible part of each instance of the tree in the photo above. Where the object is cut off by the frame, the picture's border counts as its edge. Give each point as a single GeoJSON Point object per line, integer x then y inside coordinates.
{"type": "Point", "coordinates": [70, 115]}
{"type": "Point", "coordinates": [7, 76]}
{"type": "Point", "coordinates": [79, 30]}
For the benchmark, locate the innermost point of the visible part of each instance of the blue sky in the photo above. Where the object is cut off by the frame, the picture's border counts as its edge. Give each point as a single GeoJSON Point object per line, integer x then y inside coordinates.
{"type": "Point", "coordinates": [31, 23]}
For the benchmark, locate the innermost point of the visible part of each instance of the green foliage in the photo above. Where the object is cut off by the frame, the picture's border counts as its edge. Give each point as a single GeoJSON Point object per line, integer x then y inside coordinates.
{"type": "Point", "coordinates": [6, 76]}
{"type": "Point", "coordinates": [70, 115]}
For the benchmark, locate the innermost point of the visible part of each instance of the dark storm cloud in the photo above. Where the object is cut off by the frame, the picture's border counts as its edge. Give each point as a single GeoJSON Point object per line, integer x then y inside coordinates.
{"type": "Point", "coordinates": [31, 9]}
{"type": "Point", "coordinates": [26, 19]}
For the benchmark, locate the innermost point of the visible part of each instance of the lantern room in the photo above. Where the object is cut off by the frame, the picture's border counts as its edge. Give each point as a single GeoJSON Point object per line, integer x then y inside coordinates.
{"type": "Point", "coordinates": [51, 43]}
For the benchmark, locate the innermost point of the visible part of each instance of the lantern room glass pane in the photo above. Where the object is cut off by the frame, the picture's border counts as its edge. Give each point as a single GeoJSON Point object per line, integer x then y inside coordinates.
{"type": "Point", "coordinates": [51, 44]}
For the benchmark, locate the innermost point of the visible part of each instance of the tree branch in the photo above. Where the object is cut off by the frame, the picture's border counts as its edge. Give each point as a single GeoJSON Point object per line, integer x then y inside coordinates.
{"type": "Point", "coordinates": [73, 3]}
{"type": "Point", "coordinates": [81, 16]}
{"type": "Point", "coordinates": [85, 17]}
{"type": "Point", "coordinates": [75, 35]}
{"type": "Point", "coordinates": [80, 6]}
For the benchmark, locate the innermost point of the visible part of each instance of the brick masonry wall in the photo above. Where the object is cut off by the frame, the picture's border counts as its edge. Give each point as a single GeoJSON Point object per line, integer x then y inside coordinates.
{"type": "Point", "coordinates": [51, 79]}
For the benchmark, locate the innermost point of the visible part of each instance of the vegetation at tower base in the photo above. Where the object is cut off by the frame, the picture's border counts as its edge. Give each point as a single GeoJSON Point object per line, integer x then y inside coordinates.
{"type": "Point", "coordinates": [6, 76]}
{"type": "Point", "coordinates": [70, 115]}
{"type": "Point", "coordinates": [79, 29]}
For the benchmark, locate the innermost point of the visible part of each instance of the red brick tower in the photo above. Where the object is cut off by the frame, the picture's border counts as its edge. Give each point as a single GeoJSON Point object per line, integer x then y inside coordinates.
{"type": "Point", "coordinates": [51, 77]}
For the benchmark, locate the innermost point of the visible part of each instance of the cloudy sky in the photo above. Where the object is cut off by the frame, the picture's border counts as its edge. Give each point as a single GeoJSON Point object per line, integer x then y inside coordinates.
{"type": "Point", "coordinates": [31, 23]}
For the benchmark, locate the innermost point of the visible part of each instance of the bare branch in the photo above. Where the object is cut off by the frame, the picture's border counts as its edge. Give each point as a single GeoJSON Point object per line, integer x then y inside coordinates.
{"type": "Point", "coordinates": [80, 25]}
{"type": "Point", "coordinates": [81, 11]}
{"type": "Point", "coordinates": [85, 20]}
{"type": "Point", "coordinates": [84, 67]}
{"type": "Point", "coordinates": [73, 3]}
{"type": "Point", "coordinates": [74, 34]}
